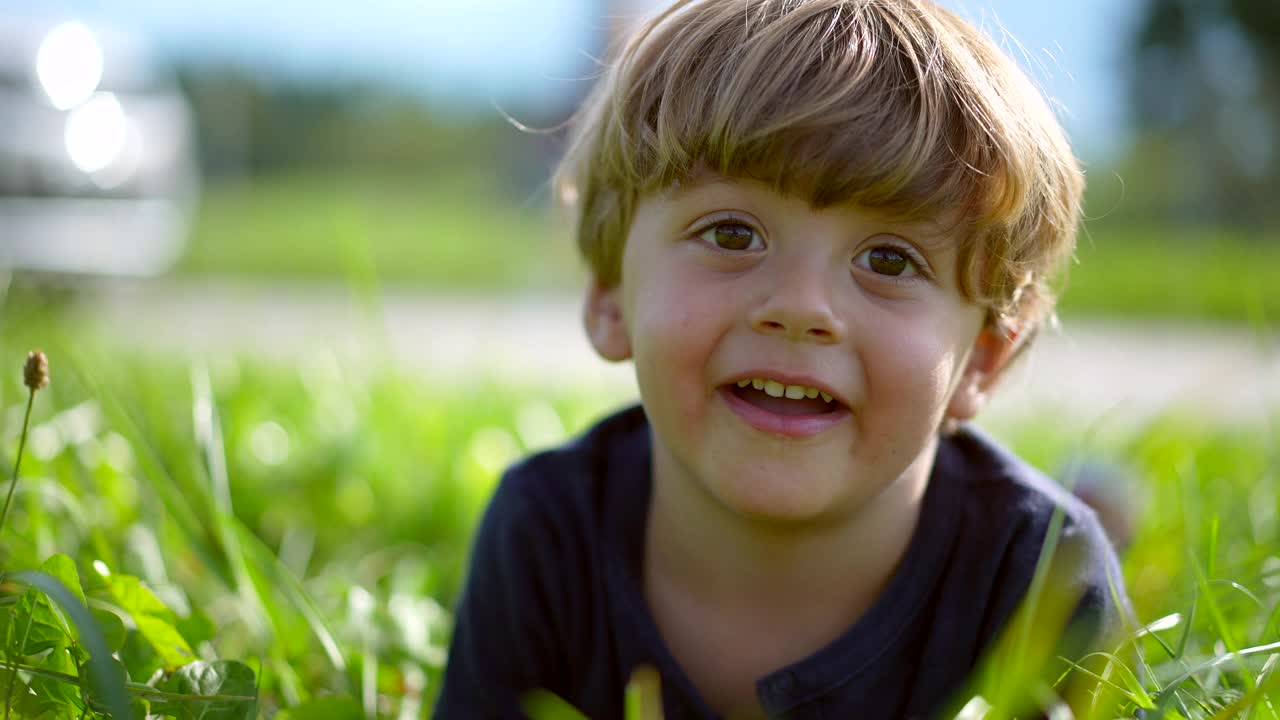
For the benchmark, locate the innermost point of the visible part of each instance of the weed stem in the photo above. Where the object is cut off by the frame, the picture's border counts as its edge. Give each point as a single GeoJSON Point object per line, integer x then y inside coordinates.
{"type": "Point", "coordinates": [22, 443]}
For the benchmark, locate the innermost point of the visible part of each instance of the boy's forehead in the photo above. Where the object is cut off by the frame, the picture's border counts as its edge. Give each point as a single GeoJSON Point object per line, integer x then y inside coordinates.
{"type": "Point", "coordinates": [939, 230]}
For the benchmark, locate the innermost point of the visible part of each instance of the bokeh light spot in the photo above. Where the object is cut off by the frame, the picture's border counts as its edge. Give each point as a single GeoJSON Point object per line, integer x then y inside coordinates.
{"type": "Point", "coordinates": [69, 64]}
{"type": "Point", "coordinates": [269, 443]}
{"type": "Point", "coordinates": [96, 132]}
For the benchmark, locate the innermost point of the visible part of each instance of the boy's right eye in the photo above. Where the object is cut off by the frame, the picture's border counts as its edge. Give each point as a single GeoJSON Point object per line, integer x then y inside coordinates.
{"type": "Point", "coordinates": [732, 236]}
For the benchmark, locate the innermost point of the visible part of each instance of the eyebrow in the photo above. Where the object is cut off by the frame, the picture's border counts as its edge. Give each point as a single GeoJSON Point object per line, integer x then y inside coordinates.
{"type": "Point", "coordinates": [931, 233]}
{"type": "Point", "coordinates": [700, 177]}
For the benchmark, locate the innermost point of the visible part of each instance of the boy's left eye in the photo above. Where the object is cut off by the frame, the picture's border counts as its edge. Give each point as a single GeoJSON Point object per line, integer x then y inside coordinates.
{"type": "Point", "coordinates": [888, 260]}
{"type": "Point", "coordinates": [732, 236]}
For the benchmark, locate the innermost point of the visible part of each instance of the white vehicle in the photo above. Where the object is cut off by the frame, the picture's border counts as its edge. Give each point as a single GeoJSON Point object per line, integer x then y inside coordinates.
{"type": "Point", "coordinates": [97, 153]}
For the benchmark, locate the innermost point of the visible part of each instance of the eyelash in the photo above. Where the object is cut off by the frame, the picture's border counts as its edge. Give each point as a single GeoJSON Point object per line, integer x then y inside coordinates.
{"type": "Point", "coordinates": [921, 268]}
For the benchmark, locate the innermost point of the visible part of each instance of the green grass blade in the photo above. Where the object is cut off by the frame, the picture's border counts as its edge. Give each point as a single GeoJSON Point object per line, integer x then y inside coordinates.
{"type": "Point", "coordinates": [208, 433]}
{"type": "Point", "coordinates": [545, 705]}
{"type": "Point", "coordinates": [1186, 629]}
{"type": "Point", "coordinates": [644, 695]}
{"type": "Point", "coordinates": [1211, 553]}
{"type": "Point", "coordinates": [271, 566]}
{"type": "Point", "coordinates": [175, 498]}
{"type": "Point", "coordinates": [106, 674]}
{"type": "Point", "coordinates": [1242, 590]}
{"type": "Point", "coordinates": [1163, 699]}
{"type": "Point", "coordinates": [1246, 702]}
{"type": "Point", "coordinates": [1221, 626]}
{"type": "Point", "coordinates": [1269, 628]}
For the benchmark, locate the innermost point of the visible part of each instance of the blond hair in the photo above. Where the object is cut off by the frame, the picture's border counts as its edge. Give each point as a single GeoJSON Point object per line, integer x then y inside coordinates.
{"type": "Point", "coordinates": [897, 105]}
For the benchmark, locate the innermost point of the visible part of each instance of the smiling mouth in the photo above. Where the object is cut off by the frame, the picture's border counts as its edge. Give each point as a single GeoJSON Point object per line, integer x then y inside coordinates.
{"type": "Point", "coordinates": [786, 400]}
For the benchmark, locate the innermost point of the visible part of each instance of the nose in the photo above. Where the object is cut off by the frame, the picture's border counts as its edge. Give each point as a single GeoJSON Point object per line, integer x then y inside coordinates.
{"type": "Point", "coordinates": [798, 308]}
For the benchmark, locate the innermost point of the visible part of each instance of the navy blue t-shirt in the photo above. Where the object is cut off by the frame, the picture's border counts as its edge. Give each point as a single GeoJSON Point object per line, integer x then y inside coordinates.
{"type": "Point", "coordinates": [554, 598]}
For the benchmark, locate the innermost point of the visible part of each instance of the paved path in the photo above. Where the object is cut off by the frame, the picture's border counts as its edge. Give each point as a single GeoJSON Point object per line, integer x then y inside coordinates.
{"type": "Point", "coordinates": [1093, 370]}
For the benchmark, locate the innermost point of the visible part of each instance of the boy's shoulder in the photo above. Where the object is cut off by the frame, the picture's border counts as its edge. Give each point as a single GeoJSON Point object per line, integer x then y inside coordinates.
{"type": "Point", "coordinates": [566, 508]}
{"type": "Point", "coordinates": [1013, 522]}
{"type": "Point", "coordinates": [998, 481]}
{"type": "Point", "coordinates": [615, 448]}
{"type": "Point", "coordinates": [531, 613]}
{"type": "Point", "coordinates": [626, 429]}
{"type": "Point", "coordinates": [1005, 496]}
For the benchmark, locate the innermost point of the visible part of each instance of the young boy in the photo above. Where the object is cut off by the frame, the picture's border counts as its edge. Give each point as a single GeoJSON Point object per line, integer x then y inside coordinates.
{"type": "Point", "coordinates": [820, 229]}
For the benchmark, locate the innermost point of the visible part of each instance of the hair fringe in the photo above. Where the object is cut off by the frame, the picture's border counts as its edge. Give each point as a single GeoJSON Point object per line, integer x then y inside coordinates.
{"type": "Point", "coordinates": [897, 105]}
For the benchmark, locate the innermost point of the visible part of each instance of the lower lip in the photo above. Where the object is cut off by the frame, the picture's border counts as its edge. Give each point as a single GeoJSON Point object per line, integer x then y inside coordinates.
{"type": "Point", "coordinates": [792, 426]}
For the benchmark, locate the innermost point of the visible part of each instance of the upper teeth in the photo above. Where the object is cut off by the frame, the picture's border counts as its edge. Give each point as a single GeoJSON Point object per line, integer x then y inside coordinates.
{"type": "Point", "coordinates": [777, 389]}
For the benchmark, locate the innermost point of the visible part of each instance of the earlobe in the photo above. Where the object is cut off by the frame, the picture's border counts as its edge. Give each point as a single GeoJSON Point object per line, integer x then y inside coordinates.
{"type": "Point", "coordinates": [605, 324]}
{"type": "Point", "coordinates": [992, 351]}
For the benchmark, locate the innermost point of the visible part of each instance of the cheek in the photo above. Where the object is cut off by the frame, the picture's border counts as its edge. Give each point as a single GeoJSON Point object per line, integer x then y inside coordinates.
{"type": "Point", "coordinates": [913, 373]}
{"type": "Point", "coordinates": [928, 357]}
{"type": "Point", "coordinates": [673, 341]}
{"type": "Point", "coordinates": [673, 312]}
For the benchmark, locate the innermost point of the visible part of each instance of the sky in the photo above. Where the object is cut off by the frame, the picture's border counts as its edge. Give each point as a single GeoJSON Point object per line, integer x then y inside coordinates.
{"type": "Point", "coordinates": [522, 54]}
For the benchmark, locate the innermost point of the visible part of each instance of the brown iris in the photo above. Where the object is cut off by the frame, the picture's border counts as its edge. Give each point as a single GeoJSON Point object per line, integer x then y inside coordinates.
{"type": "Point", "coordinates": [888, 261]}
{"type": "Point", "coordinates": [731, 236]}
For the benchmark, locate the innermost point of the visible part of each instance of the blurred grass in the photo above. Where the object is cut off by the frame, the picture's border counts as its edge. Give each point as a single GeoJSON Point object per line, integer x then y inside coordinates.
{"type": "Point", "coordinates": [355, 492]}
{"type": "Point", "coordinates": [1201, 274]}
{"type": "Point", "coordinates": [451, 230]}
{"type": "Point", "coordinates": [466, 231]}
{"type": "Point", "coordinates": [358, 490]}
{"type": "Point", "coordinates": [361, 490]}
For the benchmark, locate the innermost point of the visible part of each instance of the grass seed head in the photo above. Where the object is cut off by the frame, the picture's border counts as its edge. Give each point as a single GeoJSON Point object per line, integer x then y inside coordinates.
{"type": "Point", "coordinates": [35, 374]}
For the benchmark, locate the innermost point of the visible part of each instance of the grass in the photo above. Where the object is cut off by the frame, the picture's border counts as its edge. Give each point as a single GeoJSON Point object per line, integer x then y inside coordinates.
{"type": "Point", "coordinates": [1200, 274]}
{"type": "Point", "coordinates": [454, 231]}
{"type": "Point", "coordinates": [450, 231]}
{"type": "Point", "coordinates": [308, 525]}
{"type": "Point", "coordinates": [318, 519]}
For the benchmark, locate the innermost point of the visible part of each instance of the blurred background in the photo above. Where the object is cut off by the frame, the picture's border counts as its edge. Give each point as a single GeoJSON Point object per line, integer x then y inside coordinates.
{"type": "Point", "coordinates": [233, 148]}
{"type": "Point", "coordinates": [299, 260]}
{"type": "Point", "coordinates": [279, 157]}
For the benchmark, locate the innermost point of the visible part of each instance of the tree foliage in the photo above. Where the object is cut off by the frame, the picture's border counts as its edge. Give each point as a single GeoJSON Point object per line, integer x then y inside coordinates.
{"type": "Point", "coordinates": [1206, 95]}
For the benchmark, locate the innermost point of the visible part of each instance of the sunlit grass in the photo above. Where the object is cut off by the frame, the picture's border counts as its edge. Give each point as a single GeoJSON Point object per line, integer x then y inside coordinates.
{"type": "Point", "coordinates": [445, 229]}
{"type": "Point", "coordinates": [313, 520]}
{"type": "Point", "coordinates": [1170, 272]}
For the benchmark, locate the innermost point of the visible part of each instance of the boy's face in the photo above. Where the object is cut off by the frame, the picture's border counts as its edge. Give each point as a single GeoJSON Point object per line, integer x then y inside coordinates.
{"type": "Point", "coordinates": [726, 281]}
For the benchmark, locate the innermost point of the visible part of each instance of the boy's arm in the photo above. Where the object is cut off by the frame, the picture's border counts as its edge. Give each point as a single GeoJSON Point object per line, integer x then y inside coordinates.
{"type": "Point", "coordinates": [503, 639]}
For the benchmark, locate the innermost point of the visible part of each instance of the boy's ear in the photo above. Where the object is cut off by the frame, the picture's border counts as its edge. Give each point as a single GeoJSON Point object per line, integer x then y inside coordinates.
{"type": "Point", "coordinates": [992, 351]}
{"type": "Point", "coordinates": [605, 324]}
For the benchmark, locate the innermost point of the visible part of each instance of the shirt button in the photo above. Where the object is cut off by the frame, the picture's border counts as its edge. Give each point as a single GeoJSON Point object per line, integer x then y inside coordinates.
{"type": "Point", "coordinates": [784, 684]}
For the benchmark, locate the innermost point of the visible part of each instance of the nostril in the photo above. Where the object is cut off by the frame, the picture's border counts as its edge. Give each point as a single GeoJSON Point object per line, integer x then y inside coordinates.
{"type": "Point", "coordinates": [819, 332]}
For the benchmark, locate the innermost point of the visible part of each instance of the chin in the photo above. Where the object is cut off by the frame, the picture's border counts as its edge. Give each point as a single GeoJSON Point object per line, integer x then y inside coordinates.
{"type": "Point", "coordinates": [778, 498]}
